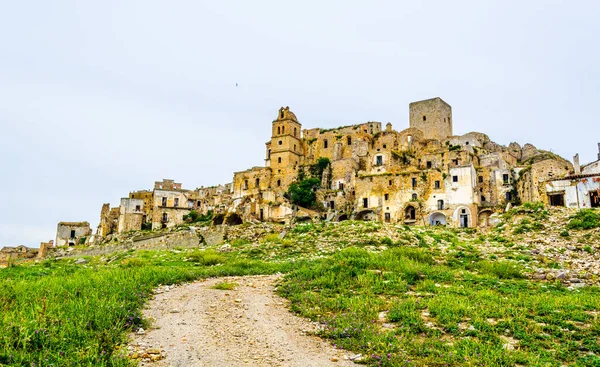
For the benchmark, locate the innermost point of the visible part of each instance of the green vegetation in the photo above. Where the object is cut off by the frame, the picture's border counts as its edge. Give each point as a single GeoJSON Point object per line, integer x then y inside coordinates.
{"type": "Point", "coordinates": [400, 307]}
{"type": "Point", "coordinates": [303, 191]}
{"type": "Point", "coordinates": [399, 295]}
{"type": "Point", "coordinates": [225, 286]}
{"type": "Point", "coordinates": [58, 314]}
{"type": "Point", "coordinates": [195, 217]}
{"type": "Point", "coordinates": [584, 219]}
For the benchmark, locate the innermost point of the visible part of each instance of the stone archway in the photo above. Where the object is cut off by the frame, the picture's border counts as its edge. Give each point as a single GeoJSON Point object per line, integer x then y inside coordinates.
{"type": "Point", "coordinates": [218, 219]}
{"type": "Point", "coordinates": [410, 214]}
{"type": "Point", "coordinates": [366, 215]}
{"type": "Point", "coordinates": [437, 219]}
{"type": "Point", "coordinates": [484, 218]}
{"type": "Point", "coordinates": [342, 218]}
{"type": "Point", "coordinates": [233, 220]}
{"type": "Point", "coordinates": [462, 216]}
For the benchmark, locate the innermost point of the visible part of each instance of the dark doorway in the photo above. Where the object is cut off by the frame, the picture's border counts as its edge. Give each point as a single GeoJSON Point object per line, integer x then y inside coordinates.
{"type": "Point", "coordinates": [464, 218]}
{"type": "Point", "coordinates": [410, 213]}
{"type": "Point", "coordinates": [595, 199]}
{"type": "Point", "coordinates": [262, 214]}
{"type": "Point", "coordinates": [557, 200]}
{"type": "Point", "coordinates": [233, 220]}
{"type": "Point", "coordinates": [388, 217]}
{"type": "Point", "coordinates": [72, 234]}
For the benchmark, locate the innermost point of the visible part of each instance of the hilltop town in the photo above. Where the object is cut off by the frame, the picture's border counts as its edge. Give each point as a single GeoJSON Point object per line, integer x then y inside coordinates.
{"type": "Point", "coordinates": [423, 175]}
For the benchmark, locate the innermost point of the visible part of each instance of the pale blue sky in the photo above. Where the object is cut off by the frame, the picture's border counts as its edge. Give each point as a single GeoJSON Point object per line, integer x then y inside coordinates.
{"type": "Point", "coordinates": [101, 98]}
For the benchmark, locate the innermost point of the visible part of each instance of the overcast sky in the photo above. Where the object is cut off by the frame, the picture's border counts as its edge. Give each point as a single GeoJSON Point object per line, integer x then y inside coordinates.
{"type": "Point", "coordinates": [101, 98]}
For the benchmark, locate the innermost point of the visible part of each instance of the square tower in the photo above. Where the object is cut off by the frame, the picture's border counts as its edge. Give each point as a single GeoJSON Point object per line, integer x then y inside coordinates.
{"type": "Point", "coordinates": [433, 117]}
{"type": "Point", "coordinates": [285, 151]}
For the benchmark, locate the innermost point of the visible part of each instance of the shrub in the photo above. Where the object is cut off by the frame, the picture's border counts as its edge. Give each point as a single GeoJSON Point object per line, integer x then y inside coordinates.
{"type": "Point", "coordinates": [303, 192]}
{"type": "Point", "coordinates": [225, 286]}
{"type": "Point", "coordinates": [584, 219]}
{"type": "Point", "coordinates": [207, 257]}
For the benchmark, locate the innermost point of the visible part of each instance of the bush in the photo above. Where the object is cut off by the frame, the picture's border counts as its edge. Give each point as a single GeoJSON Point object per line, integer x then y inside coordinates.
{"type": "Point", "coordinates": [584, 219]}
{"type": "Point", "coordinates": [207, 257]}
{"type": "Point", "coordinates": [303, 193]}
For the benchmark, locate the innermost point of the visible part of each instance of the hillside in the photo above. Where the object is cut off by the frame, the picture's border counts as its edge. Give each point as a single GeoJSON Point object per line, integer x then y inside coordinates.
{"type": "Point", "coordinates": [521, 293]}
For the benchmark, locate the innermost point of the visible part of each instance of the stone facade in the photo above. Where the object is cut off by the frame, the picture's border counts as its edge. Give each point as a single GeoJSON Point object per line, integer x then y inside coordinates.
{"type": "Point", "coordinates": [72, 233]}
{"type": "Point", "coordinates": [579, 190]}
{"type": "Point", "coordinates": [422, 174]}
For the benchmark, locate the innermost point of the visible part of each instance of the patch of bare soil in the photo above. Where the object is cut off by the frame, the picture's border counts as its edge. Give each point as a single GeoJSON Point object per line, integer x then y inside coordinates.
{"type": "Point", "coordinates": [197, 325]}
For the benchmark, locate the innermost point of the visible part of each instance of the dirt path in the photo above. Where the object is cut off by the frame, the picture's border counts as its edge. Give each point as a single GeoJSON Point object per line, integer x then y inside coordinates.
{"type": "Point", "coordinates": [195, 325]}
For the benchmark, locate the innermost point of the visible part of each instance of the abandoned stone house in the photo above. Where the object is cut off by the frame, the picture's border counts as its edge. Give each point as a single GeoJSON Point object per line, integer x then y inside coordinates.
{"type": "Point", "coordinates": [581, 189]}
{"type": "Point", "coordinates": [422, 174]}
{"type": "Point", "coordinates": [72, 233]}
{"type": "Point", "coordinates": [162, 207]}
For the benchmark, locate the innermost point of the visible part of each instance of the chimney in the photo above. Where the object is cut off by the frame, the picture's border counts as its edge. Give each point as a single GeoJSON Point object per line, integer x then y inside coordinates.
{"type": "Point", "coordinates": [599, 151]}
{"type": "Point", "coordinates": [388, 128]}
{"type": "Point", "coordinates": [576, 165]}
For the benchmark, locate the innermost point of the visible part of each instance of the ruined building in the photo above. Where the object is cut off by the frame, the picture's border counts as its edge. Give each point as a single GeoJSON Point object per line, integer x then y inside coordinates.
{"type": "Point", "coordinates": [422, 174]}
{"type": "Point", "coordinates": [578, 190]}
{"type": "Point", "coordinates": [163, 207]}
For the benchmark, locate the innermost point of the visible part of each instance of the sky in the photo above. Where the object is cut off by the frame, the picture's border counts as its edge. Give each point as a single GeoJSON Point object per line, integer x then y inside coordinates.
{"type": "Point", "coordinates": [100, 98]}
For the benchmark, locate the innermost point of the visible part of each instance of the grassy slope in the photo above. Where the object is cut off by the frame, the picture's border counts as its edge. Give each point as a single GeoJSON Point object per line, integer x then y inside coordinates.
{"type": "Point", "coordinates": [398, 295]}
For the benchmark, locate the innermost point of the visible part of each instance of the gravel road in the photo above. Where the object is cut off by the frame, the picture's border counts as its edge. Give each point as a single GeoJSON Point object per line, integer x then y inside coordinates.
{"type": "Point", "coordinates": [196, 325]}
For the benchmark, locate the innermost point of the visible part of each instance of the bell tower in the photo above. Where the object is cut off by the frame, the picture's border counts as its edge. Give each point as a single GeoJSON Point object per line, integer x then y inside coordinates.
{"type": "Point", "coordinates": [285, 150]}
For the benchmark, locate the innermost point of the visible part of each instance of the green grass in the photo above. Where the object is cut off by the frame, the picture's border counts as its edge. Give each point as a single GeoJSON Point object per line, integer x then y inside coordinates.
{"type": "Point", "coordinates": [458, 313]}
{"type": "Point", "coordinates": [58, 314]}
{"type": "Point", "coordinates": [225, 286]}
{"type": "Point", "coordinates": [400, 295]}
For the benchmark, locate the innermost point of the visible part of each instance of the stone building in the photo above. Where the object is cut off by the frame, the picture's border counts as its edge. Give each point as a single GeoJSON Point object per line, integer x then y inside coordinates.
{"type": "Point", "coordinates": [72, 233]}
{"type": "Point", "coordinates": [578, 190]}
{"type": "Point", "coordinates": [423, 174]}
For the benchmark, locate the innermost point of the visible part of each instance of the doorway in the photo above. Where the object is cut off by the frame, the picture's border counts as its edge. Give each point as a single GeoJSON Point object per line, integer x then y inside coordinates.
{"type": "Point", "coordinates": [464, 219]}
{"type": "Point", "coordinates": [595, 199]}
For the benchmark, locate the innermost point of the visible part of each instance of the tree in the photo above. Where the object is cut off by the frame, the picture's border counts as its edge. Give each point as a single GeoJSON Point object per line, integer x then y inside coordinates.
{"type": "Point", "coordinates": [303, 192]}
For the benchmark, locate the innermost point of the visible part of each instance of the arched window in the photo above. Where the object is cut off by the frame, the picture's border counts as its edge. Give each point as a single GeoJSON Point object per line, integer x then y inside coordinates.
{"type": "Point", "coordinates": [424, 118]}
{"type": "Point", "coordinates": [414, 196]}
{"type": "Point", "coordinates": [257, 182]}
{"type": "Point", "coordinates": [278, 159]}
{"type": "Point", "coordinates": [283, 129]}
{"type": "Point", "coordinates": [278, 130]}
{"type": "Point", "coordinates": [165, 217]}
{"type": "Point", "coordinates": [278, 182]}
{"type": "Point", "coordinates": [295, 132]}
{"type": "Point", "coordinates": [325, 144]}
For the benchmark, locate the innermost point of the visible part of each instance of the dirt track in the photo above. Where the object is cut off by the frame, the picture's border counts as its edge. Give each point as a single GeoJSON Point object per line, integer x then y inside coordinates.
{"type": "Point", "coordinates": [195, 325]}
